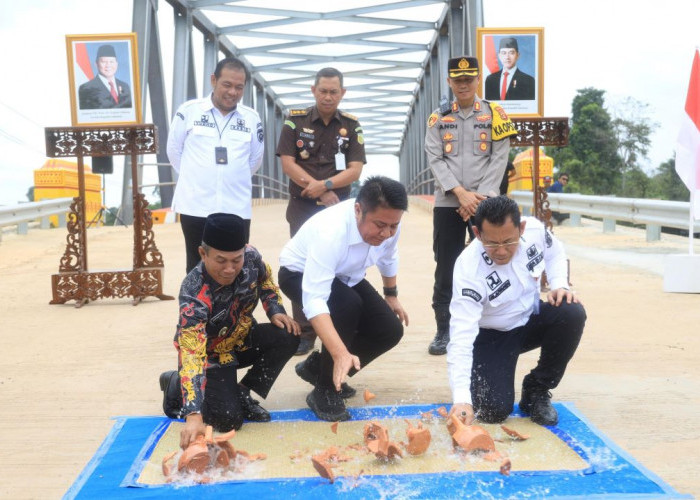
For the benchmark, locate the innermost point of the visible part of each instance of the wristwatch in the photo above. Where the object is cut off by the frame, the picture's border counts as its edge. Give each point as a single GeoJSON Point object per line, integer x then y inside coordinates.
{"type": "Point", "coordinates": [328, 184]}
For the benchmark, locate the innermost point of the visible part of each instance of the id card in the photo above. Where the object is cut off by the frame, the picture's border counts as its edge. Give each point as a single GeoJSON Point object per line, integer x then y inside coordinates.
{"type": "Point", "coordinates": [221, 155]}
{"type": "Point", "coordinates": [340, 161]}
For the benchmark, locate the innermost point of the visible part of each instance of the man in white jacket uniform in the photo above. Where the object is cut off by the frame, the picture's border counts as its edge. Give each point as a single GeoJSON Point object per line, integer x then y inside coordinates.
{"type": "Point", "coordinates": [497, 314]}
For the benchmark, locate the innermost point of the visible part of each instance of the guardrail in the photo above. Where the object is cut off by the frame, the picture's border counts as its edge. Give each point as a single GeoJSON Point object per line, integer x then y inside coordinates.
{"type": "Point", "coordinates": [21, 214]}
{"type": "Point", "coordinates": [654, 214]}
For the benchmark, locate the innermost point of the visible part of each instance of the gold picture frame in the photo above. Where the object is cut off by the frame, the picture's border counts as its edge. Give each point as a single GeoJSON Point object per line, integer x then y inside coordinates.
{"type": "Point", "coordinates": [524, 88]}
{"type": "Point", "coordinates": [103, 77]}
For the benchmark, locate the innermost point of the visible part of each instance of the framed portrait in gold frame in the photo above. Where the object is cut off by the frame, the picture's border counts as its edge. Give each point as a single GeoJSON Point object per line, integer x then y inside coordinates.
{"type": "Point", "coordinates": [103, 77]}
{"type": "Point", "coordinates": [512, 68]}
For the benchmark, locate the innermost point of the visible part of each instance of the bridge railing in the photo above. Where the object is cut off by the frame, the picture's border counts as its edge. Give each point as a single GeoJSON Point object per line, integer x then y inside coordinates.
{"type": "Point", "coordinates": [22, 214]}
{"type": "Point", "coordinates": [654, 214]}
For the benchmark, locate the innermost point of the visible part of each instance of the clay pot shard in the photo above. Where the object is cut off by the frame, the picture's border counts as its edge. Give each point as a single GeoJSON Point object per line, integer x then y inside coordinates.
{"type": "Point", "coordinates": [418, 439]}
{"type": "Point", "coordinates": [368, 396]}
{"type": "Point", "coordinates": [377, 441]}
{"type": "Point", "coordinates": [470, 437]}
{"type": "Point", "coordinates": [442, 412]}
{"type": "Point", "coordinates": [515, 434]}
{"type": "Point", "coordinates": [334, 427]}
{"type": "Point", "coordinates": [323, 467]}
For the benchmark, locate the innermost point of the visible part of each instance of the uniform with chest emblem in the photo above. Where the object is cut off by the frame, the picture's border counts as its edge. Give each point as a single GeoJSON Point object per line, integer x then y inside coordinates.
{"type": "Point", "coordinates": [466, 143]}
{"type": "Point", "coordinates": [497, 314]}
{"type": "Point", "coordinates": [314, 146]}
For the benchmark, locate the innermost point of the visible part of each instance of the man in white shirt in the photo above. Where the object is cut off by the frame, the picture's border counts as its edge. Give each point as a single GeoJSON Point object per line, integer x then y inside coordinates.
{"type": "Point", "coordinates": [323, 267]}
{"type": "Point", "coordinates": [215, 145]}
{"type": "Point", "coordinates": [497, 314]}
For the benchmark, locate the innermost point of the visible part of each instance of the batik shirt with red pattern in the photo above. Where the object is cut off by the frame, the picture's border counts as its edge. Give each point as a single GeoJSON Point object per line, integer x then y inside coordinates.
{"type": "Point", "coordinates": [215, 321]}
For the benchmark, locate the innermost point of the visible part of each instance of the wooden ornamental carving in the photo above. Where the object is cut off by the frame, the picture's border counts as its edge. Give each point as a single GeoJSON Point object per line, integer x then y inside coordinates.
{"type": "Point", "coordinates": [536, 132]}
{"type": "Point", "coordinates": [74, 281]}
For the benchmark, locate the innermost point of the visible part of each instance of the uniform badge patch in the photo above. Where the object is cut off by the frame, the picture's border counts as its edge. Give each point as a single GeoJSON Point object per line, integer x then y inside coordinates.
{"type": "Point", "coordinates": [482, 136]}
{"type": "Point", "coordinates": [304, 155]}
{"type": "Point", "coordinates": [343, 132]}
{"type": "Point", "coordinates": [180, 115]}
{"type": "Point", "coordinates": [473, 294]}
{"type": "Point", "coordinates": [448, 137]}
{"type": "Point", "coordinates": [448, 147]}
{"type": "Point", "coordinates": [360, 139]}
{"type": "Point", "coordinates": [298, 112]}
{"type": "Point", "coordinates": [300, 143]}
{"type": "Point", "coordinates": [448, 119]}
{"type": "Point", "coordinates": [493, 280]}
{"type": "Point", "coordinates": [455, 106]}
{"type": "Point", "coordinates": [290, 124]}
{"type": "Point", "coordinates": [548, 238]}
{"type": "Point", "coordinates": [483, 146]}
{"type": "Point", "coordinates": [486, 258]}
{"type": "Point", "coordinates": [260, 133]}
{"type": "Point", "coordinates": [477, 106]}
{"type": "Point", "coordinates": [432, 120]}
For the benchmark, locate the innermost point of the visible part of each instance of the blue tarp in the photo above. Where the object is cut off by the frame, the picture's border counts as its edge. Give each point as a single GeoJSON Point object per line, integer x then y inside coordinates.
{"type": "Point", "coordinates": [114, 470]}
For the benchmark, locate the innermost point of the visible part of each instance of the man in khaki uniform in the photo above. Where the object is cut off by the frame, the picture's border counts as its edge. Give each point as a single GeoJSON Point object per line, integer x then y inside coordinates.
{"type": "Point", "coordinates": [467, 147]}
{"type": "Point", "coordinates": [322, 152]}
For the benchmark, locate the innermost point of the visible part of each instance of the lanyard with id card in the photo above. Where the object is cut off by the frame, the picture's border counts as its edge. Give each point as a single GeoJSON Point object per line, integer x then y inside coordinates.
{"type": "Point", "coordinates": [221, 152]}
{"type": "Point", "coordinates": [340, 156]}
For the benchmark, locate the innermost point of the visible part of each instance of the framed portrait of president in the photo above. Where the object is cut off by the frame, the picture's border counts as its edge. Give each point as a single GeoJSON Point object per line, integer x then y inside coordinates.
{"type": "Point", "coordinates": [103, 79]}
{"type": "Point", "coordinates": [512, 68]}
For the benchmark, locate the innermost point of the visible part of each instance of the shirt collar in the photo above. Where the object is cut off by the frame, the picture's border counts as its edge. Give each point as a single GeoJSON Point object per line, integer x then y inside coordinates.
{"type": "Point", "coordinates": [315, 115]}
{"type": "Point", "coordinates": [354, 236]}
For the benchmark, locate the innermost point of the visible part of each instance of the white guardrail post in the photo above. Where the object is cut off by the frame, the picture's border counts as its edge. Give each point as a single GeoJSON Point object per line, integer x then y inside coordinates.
{"type": "Point", "coordinates": [22, 214]}
{"type": "Point", "coordinates": [654, 214]}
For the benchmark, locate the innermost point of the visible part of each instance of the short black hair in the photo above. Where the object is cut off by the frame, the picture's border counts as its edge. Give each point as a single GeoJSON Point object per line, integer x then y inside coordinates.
{"type": "Point", "coordinates": [328, 73]}
{"type": "Point", "coordinates": [495, 210]}
{"type": "Point", "coordinates": [562, 175]}
{"type": "Point", "coordinates": [382, 192]}
{"type": "Point", "coordinates": [231, 63]}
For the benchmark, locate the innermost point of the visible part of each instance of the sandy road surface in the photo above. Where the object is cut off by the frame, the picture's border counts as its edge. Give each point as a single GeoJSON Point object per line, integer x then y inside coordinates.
{"type": "Point", "coordinates": [66, 371]}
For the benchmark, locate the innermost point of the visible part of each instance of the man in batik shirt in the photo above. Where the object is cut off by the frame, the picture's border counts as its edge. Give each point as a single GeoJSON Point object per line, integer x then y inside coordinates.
{"type": "Point", "coordinates": [217, 335]}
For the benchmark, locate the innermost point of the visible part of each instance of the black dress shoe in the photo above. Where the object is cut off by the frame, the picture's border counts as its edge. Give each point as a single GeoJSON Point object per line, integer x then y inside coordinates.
{"type": "Point", "coordinates": [308, 371]}
{"type": "Point", "coordinates": [327, 405]}
{"type": "Point", "coordinates": [172, 397]}
{"type": "Point", "coordinates": [438, 346]}
{"type": "Point", "coordinates": [251, 408]}
{"type": "Point", "coordinates": [536, 402]}
{"type": "Point", "coordinates": [305, 345]}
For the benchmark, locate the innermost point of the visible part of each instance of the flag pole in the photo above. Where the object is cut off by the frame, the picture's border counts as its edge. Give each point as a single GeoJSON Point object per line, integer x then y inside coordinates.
{"type": "Point", "coordinates": [691, 222]}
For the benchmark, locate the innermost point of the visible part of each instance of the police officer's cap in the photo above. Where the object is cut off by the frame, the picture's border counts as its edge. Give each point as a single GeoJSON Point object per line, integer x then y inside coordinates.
{"type": "Point", "coordinates": [508, 43]}
{"type": "Point", "coordinates": [225, 232]}
{"type": "Point", "coordinates": [463, 66]}
{"type": "Point", "coordinates": [106, 51]}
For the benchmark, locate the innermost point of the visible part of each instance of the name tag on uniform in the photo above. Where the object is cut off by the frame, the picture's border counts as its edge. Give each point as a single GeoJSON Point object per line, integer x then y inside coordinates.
{"type": "Point", "coordinates": [340, 161]}
{"type": "Point", "coordinates": [221, 155]}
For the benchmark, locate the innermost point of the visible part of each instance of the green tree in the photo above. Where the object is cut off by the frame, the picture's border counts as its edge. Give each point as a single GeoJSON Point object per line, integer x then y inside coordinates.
{"type": "Point", "coordinates": [632, 128]}
{"type": "Point", "coordinates": [666, 185]}
{"type": "Point", "coordinates": [591, 158]}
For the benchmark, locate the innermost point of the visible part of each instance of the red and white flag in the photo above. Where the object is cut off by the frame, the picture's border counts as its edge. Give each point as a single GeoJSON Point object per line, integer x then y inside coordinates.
{"type": "Point", "coordinates": [688, 145]}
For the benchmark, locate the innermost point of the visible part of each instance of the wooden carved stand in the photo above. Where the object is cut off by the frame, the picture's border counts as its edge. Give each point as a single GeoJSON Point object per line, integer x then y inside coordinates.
{"type": "Point", "coordinates": [73, 281]}
{"type": "Point", "coordinates": [538, 132]}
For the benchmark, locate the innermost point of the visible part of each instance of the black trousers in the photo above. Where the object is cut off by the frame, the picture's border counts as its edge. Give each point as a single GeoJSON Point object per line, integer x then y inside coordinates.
{"type": "Point", "coordinates": [556, 330]}
{"type": "Point", "coordinates": [271, 348]}
{"type": "Point", "coordinates": [192, 229]}
{"type": "Point", "coordinates": [363, 319]}
{"type": "Point", "coordinates": [449, 239]}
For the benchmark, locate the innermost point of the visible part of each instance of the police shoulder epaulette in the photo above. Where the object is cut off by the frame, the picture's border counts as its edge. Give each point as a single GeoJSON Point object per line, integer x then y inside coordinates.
{"type": "Point", "coordinates": [298, 112]}
{"type": "Point", "coordinates": [348, 115]}
{"type": "Point", "coordinates": [502, 126]}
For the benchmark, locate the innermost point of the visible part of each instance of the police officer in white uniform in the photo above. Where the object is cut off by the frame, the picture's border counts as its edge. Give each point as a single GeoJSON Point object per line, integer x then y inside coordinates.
{"type": "Point", "coordinates": [215, 145]}
{"type": "Point", "coordinates": [467, 146]}
{"type": "Point", "coordinates": [497, 314]}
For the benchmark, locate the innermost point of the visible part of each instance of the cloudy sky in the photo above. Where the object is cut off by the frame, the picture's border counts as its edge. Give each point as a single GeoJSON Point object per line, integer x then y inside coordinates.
{"type": "Point", "coordinates": [634, 48]}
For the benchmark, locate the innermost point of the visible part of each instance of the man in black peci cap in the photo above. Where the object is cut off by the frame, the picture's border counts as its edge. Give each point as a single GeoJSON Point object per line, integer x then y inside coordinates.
{"type": "Point", "coordinates": [509, 84]}
{"type": "Point", "coordinates": [105, 90]}
{"type": "Point", "coordinates": [217, 335]}
{"type": "Point", "coordinates": [467, 144]}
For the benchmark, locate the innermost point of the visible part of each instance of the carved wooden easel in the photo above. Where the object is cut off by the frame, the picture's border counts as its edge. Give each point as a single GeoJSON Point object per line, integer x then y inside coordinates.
{"type": "Point", "coordinates": [536, 132]}
{"type": "Point", "coordinates": [74, 281]}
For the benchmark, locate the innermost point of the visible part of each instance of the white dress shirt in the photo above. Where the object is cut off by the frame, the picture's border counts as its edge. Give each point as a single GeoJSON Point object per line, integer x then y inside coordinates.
{"type": "Point", "coordinates": [203, 186]}
{"type": "Point", "coordinates": [499, 297]}
{"type": "Point", "coordinates": [330, 246]}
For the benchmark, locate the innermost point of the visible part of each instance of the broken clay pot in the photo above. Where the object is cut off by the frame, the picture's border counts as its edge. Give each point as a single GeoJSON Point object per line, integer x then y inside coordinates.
{"type": "Point", "coordinates": [418, 438]}
{"type": "Point", "coordinates": [470, 437]}
{"type": "Point", "coordinates": [377, 441]}
{"type": "Point", "coordinates": [368, 396]}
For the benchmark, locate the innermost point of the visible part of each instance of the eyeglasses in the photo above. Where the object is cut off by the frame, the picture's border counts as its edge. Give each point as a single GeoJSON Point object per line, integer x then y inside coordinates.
{"type": "Point", "coordinates": [492, 246]}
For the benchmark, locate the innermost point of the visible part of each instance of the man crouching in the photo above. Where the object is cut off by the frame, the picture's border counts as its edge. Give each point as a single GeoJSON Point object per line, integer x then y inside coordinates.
{"type": "Point", "coordinates": [217, 335]}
